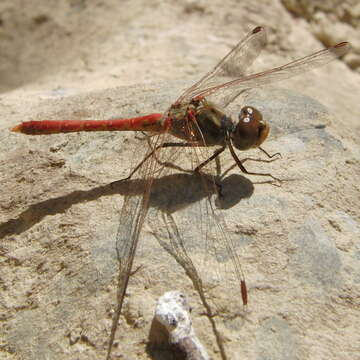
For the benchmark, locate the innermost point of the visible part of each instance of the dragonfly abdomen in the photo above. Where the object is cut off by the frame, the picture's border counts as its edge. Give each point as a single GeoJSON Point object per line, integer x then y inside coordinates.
{"type": "Point", "coordinates": [152, 122]}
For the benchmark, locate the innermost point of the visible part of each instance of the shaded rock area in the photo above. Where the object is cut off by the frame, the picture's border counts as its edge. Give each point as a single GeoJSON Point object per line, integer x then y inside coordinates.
{"type": "Point", "coordinates": [298, 243]}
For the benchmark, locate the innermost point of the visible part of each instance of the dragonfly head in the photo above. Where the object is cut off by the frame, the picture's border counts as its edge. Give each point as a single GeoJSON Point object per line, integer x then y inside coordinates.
{"type": "Point", "coordinates": [251, 130]}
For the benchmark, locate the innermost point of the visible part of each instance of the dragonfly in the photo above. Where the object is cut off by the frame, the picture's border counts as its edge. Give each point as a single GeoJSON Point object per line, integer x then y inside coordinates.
{"type": "Point", "coordinates": [198, 121]}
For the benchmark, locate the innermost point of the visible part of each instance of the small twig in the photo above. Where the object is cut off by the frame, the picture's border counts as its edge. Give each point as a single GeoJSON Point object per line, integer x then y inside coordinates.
{"type": "Point", "coordinates": [173, 312]}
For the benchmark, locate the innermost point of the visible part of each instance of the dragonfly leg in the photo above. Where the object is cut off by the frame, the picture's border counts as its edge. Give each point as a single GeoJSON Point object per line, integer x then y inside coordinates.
{"type": "Point", "coordinates": [242, 167]}
{"type": "Point", "coordinates": [212, 157]}
{"type": "Point", "coordinates": [218, 168]}
{"type": "Point", "coordinates": [218, 178]}
{"type": "Point", "coordinates": [268, 155]}
{"type": "Point", "coordinates": [140, 267]}
{"type": "Point", "coordinates": [249, 159]}
{"type": "Point", "coordinates": [219, 189]}
{"type": "Point", "coordinates": [144, 136]}
{"type": "Point", "coordinates": [137, 167]}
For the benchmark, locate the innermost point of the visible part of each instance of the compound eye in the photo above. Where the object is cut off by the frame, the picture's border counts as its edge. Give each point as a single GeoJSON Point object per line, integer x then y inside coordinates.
{"type": "Point", "coordinates": [251, 130]}
{"type": "Point", "coordinates": [249, 110]}
{"type": "Point", "coordinates": [246, 114]}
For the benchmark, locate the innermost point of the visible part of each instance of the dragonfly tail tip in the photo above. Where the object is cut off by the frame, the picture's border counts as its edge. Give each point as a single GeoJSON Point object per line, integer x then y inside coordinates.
{"type": "Point", "coordinates": [17, 128]}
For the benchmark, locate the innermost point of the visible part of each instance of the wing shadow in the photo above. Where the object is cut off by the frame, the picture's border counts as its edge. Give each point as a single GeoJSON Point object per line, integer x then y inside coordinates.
{"type": "Point", "coordinates": [169, 194]}
{"type": "Point", "coordinates": [189, 189]}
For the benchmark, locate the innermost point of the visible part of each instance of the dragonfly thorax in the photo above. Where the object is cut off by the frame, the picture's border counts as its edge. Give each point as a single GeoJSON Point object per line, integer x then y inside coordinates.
{"type": "Point", "coordinates": [251, 130]}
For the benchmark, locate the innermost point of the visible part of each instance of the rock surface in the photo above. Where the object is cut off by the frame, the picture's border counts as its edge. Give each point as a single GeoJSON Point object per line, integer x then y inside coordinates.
{"type": "Point", "coordinates": [298, 243]}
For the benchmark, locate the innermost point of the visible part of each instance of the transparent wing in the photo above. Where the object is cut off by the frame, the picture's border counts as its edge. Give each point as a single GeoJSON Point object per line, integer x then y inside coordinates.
{"type": "Point", "coordinates": [225, 92]}
{"type": "Point", "coordinates": [232, 66]}
{"type": "Point", "coordinates": [172, 201]}
{"type": "Point", "coordinates": [222, 86]}
{"type": "Point", "coordinates": [132, 218]}
{"type": "Point", "coordinates": [207, 252]}
{"type": "Point", "coordinates": [187, 224]}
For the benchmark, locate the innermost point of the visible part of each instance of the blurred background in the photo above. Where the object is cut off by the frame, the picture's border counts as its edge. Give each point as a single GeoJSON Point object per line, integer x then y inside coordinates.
{"type": "Point", "coordinates": [90, 44]}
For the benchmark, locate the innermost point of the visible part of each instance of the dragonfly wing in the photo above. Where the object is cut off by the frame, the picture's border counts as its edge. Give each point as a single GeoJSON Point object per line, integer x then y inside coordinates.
{"type": "Point", "coordinates": [132, 218]}
{"type": "Point", "coordinates": [126, 244]}
{"type": "Point", "coordinates": [170, 200]}
{"type": "Point", "coordinates": [232, 66]}
{"type": "Point", "coordinates": [223, 94]}
{"type": "Point", "coordinates": [208, 254]}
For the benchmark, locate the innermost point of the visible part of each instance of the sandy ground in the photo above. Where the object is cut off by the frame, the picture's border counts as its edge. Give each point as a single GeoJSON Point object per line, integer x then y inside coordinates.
{"type": "Point", "coordinates": [298, 243]}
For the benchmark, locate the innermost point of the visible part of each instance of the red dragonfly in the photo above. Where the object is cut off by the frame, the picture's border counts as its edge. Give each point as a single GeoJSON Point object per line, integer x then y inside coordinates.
{"type": "Point", "coordinates": [199, 120]}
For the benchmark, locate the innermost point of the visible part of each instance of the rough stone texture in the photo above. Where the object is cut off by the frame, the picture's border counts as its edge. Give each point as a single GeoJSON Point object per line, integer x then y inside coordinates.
{"type": "Point", "coordinates": [299, 243]}
{"type": "Point", "coordinates": [330, 21]}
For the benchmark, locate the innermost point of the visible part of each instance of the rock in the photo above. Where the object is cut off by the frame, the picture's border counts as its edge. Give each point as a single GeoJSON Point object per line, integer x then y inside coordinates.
{"type": "Point", "coordinates": [59, 202]}
{"type": "Point", "coordinates": [297, 243]}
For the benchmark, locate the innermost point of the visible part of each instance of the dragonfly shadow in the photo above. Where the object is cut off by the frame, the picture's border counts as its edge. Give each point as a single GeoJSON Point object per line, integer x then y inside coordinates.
{"type": "Point", "coordinates": [174, 192]}
{"type": "Point", "coordinates": [169, 193]}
